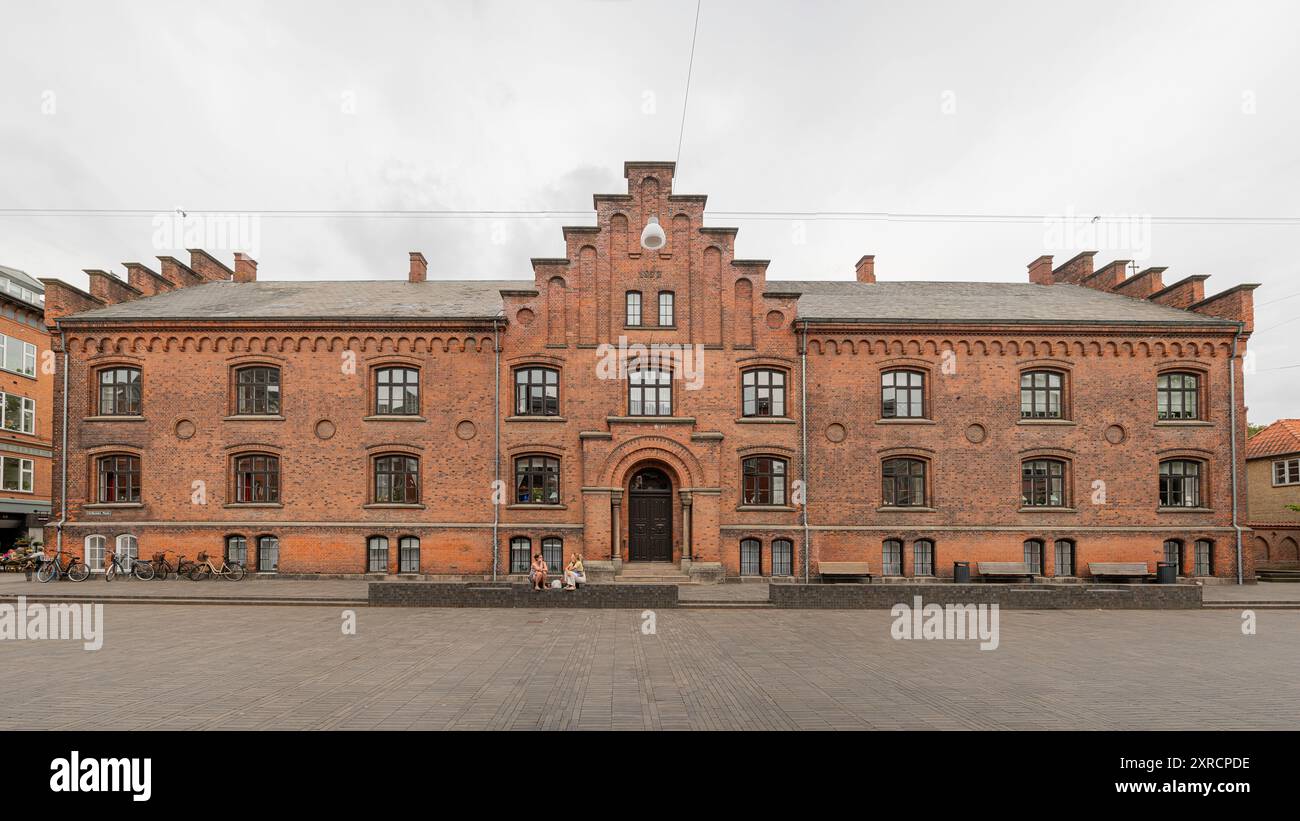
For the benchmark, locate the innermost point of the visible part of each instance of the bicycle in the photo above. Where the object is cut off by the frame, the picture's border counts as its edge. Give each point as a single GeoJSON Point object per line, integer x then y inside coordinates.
{"type": "Point", "coordinates": [234, 571]}
{"type": "Point", "coordinates": [50, 569]}
{"type": "Point", "coordinates": [163, 568]}
{"type": "Point", "coordinates": [143, 571]}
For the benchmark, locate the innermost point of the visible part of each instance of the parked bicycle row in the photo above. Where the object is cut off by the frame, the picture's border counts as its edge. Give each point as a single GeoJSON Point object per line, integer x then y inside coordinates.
{"type": "Point", "coordinates": [160, 567]}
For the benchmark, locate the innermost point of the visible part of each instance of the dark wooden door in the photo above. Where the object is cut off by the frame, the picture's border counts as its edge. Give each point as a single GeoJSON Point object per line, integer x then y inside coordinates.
{"type": "Point", "coordinates": [650, 529]}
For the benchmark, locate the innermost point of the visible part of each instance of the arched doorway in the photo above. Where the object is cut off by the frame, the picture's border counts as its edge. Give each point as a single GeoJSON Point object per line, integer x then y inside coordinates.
{"type": "Point", "coordinates": [650, 517]}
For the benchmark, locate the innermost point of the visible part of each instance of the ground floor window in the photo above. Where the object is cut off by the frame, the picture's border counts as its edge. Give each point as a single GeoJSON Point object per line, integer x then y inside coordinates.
{"type": "Point", "coordinates": [923, 558]}
{"type": "Point", "coordinates": [1174, 554]}
{"type": "Point", "coordinates": [782, 557]}
{"type": "Point", "coordinates": [127, 550]}
{"type": "Point", "coordinates": [553, 554]}
{"type": "Point", "coordinates": [408, 555]}
{"type": "Point", "coordinates": [377, 554]}
{"type": "Point", "coordinates": [236, 549]}
{"type": "Point", "coordinates": [751, 557]}
{"type": "Point", "coordinates": [1204, 558]}
{"type": "Point", "coordinates": [1034, 556]}
{"type": "Point", "coordinates": [521, 559]}
{"type": "Point", "coordinates": [268, 554]}
{"type": "Point", "coordinates": [95, 552]}
{"type": "Point", "coordinates": [892, 558]}
{"type": "Point", "coordinates": [1064, 557]}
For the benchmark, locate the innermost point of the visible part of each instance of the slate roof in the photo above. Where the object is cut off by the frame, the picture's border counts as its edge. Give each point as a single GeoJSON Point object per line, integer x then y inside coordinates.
{"type": "Point", "coordinates": [22, 277]}
{"type": "Point", "coordinates": [820, 300]}
{"type": "Point", "coordinates": [1281, 437]}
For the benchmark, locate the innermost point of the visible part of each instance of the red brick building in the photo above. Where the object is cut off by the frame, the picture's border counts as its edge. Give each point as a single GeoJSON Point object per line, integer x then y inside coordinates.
{"type": "Point", "coordinates": [1273, 487]}
{"type": "Point", "coordinates": [453, 427]}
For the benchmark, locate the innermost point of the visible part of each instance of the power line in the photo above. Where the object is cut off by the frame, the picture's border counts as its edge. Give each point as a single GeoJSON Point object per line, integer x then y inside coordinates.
{"type": "Point", "coordinates": [1279, 299]}
{"type": "Point", "coordinates": [690, 67]}
{"type": "Point", "coordinates": [1278, 325]}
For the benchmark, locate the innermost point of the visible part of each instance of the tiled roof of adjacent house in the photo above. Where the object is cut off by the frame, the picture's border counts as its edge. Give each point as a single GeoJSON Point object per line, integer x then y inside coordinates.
{"type": "Point", "coordinates": [820, 300]}
{"type": "Point", "coordinates": [1283, 436]}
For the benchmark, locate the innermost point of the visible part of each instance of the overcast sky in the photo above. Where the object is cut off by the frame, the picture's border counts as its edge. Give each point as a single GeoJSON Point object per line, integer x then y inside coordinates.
{"type": "Point", "coordinates": [1137, 111]}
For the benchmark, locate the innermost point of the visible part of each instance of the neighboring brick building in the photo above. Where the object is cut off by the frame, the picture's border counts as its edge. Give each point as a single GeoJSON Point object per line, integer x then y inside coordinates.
{"type": "Point", "coordinates": [344, 426]}
{"type": "Point", "coordinates": [26, 409]}
{"type": "Point", "coordinates": [1273, 483]}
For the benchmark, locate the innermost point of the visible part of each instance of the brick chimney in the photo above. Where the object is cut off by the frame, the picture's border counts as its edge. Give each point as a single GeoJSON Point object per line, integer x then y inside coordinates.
{"type": "Point", "coordinates": [419, 267]}
{"type": "Point", "coordinates": [1040, 271]}
{"type": "Point", "coordinates": [245, 268]}
{"type": "Point", "coordinates": [867, 268]}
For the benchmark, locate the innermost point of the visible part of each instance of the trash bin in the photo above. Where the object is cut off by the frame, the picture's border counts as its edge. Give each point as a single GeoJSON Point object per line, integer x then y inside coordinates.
{"type": "Point", "coordinates": [961, 572]}
{"type": "Point", "coordinates": [1166, 573]}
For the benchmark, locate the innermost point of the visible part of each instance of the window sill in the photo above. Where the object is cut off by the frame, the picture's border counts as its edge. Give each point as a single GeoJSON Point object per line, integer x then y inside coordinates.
{"type": "Point", "coordinates": [1048, 422]}
{"type": "Point", "coordinates": [391, 506]}
{"type": "Point", "coordinates": [114, 418]}
{"type": "Point", "coordinates": [1184, 510]}
{"type": "Point", "coordinates": [393, 417]}
{"type": "Point", "coordinates": [529, 506]}
{"type": "Point", "coordinates": [1047, 509]}
{"type": "Point", "coordinates": [906, 420]}
{"type": "Point", "coordinates": [652, 420]}
{"type": "Point", "coordinates": [765, 420]}
{"type": "Point", "coordinates": [538, 418]}
{"type": "Point", "coordinates": [765, 508]}
{"type": "Point", "coordinates": [112, 505]}
{"type": "Point", "coordinates": [253, 417]}
{"type": "Point", "coordinates": [906, 509]}
{"type": "Point", "coordinates": [1183, 423]}
{"type": "Point", "coordinates": [649, 327]}
{"type": "Point", "coordinates": [237, 505]}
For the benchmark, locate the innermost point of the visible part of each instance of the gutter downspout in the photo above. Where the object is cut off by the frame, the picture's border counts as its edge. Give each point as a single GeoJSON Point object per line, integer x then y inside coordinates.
{"type": "Point", "coordinates": [1232, 383]}
{"type": "Point", "coordinates": [63, 453]}
{"type": "Point", "coordinates": [496, 451]}
{"type": "Point", "coordinates": [803, 435]}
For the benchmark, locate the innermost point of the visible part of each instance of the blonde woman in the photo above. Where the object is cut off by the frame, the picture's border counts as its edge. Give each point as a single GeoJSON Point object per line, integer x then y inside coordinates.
{"type": "Point", "coordinates": [574, 574]}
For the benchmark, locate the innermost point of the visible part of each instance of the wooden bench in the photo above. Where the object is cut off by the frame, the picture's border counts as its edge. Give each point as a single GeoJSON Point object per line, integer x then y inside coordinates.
{"type": "Point", "coordinates": [1123, 570]}
{"type": "Point", "coordinates": [1005, 570]}
{"type": "Point", "coordinates": [837, 571]}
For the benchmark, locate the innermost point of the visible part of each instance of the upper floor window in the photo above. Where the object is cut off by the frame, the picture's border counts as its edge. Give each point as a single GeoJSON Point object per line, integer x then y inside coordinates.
{"type": "Point", "coordinates": [634, 308]}
{"type": "Point", "coordinates": [119, 478]}
{"type": "Point", "coordinates": [902, 395]}
{"type": "Point", "coordinates": [17, 356]}
{"type": "Point", "coordinates": [903, 482]}
{"type": "Point", "coordinates": [650, 392]}
{"type": "Point", "coordinates": [665, 307]}
{"type": "Point", "coordinates": [16, 474]}
{"type": "Point", "coordinates": [1180, 483]}
{"type": "Point", "coordinates": [537, 392]}
{"type": "Point", "coordinates": [257, 479]}
{"type": "Point", "coordinates": [763, 392]}
{"type": "Point", "coordinates": [1178, 396]}
{"type": "Point", "coordinates": [19, 413]}
{"type": "Point", "coordinates": [537, 480]}
{"type": "Point", "coordinates": [1042, 483]}
{"type": "Point", "coordinates": [119, 392]}
{"type": "Point", "coordinates": [764, 480]}
{"type": "Point", "coordinates": [1042, 395]}
{"type": "Point", "coordinates": [257, 391]}
{"type": "Point", "coordinates": [1287, 471]}
{"type": "Point", "coordinates": [397, 480]}
{"type": "Point", "coordinates": [397, 392]}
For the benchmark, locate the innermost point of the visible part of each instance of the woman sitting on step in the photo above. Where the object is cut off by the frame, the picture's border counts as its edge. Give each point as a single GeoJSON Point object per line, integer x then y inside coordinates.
{"type": "Point", "coordinates": [537, 575]}
{"type": "Point", "coordinates": [574, 573]}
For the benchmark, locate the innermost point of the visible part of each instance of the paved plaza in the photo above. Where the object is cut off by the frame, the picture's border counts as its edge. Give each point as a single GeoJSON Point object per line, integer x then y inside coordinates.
{"type": "Point", "coordinates": [258, 667]}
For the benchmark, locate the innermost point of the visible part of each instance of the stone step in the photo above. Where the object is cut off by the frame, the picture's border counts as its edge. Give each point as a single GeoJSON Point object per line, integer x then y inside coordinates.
{"type": "Point", "coordinates": [725, 605]}
{"type": "Point", "coordinates": [1246, 605]}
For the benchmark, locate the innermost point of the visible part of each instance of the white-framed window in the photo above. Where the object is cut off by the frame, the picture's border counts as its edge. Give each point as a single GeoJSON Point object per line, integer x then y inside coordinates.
{"type": "Point", "coordinates": [17, 356]}
{"type": "Point", "coordinates": [95, 553]}
{"type": "Point", "coordinates": [127, 550]}
{"type": "Point", "coordinates": [1286, 471]}
{"type": "Point", "coordinates": [18, 412]}
{"type": "Point", "coordinates": [16, 474]}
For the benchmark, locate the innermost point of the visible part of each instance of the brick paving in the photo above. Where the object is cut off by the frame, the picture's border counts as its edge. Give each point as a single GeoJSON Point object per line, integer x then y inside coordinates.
{"type": "Point", "coordinates": [227, 667]}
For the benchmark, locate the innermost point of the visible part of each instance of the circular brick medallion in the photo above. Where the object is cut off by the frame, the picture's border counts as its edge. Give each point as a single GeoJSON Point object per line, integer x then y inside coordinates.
{"type": "Point", "coordinates": [975, 433]}
{"type": "Point", "coordinates": [835, 432]}
{"type": "Point", "coordinates": [525, 316]}
{"type": "Point", "coordinates": [775, 319]}
{"type": "Point", "coordinates": [185, 429]}
{"type": "Point", "coordinates": [325, 429]}
{"type": "Point", "coordinates": [1115, 434]}
{"type": "Point", "coordinates": [466, 430]}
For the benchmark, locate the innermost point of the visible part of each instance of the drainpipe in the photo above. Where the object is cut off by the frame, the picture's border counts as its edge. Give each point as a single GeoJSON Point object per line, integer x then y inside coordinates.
{"type": "Point", "coordinates": [63, 454]}
{"type": "Point", "coordinates": [803, 435]}
{"type": "Point", "coordinates": [496, 450]}
{"type": "Point", "coordinates": [1232, 414]}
